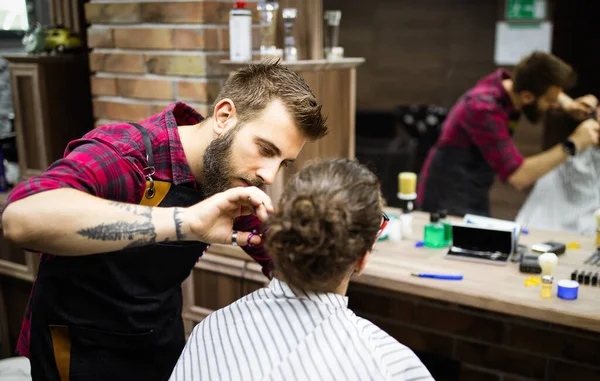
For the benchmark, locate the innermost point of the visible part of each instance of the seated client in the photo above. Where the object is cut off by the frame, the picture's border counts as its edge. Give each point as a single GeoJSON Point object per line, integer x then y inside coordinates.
{"type": "Point", "coordinates": [300, 327]}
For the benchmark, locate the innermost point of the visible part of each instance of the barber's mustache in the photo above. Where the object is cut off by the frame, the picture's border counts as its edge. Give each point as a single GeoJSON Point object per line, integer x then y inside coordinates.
{"type": "Point", "coordinates": [259, 183]}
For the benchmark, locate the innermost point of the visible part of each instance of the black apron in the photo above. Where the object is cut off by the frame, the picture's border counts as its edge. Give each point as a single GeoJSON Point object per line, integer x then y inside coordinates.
{"type": "Point", "coordinates": [459, 181]}
{"type": "Point", "coordinates": [115, 316]}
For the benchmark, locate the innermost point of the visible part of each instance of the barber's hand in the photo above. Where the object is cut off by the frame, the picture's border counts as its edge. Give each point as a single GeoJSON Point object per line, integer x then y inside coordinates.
{"type": "Point", "coordinates": [211, 221]}
{"type": "Point", "coordinates": [586, 134]}
{"type": "Point", "coordinates": [582, 107]}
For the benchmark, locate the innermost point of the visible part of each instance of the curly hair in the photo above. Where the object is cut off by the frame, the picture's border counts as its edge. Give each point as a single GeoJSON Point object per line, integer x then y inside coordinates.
{"type": "Point", "coordinates": [327, 218]}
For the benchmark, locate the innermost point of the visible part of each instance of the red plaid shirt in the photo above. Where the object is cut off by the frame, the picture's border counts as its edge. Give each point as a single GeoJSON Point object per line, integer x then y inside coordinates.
{"type": "Point", "coordinates": [481, 121]}
{"type": "Point", "coordinates": [108, 162]}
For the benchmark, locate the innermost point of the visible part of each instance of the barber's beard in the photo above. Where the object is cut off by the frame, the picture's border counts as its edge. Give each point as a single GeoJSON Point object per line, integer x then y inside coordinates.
{"type": "Point", "coordinates": [532, 112]}
{"type": "Point", "coordinates": [218, 171]}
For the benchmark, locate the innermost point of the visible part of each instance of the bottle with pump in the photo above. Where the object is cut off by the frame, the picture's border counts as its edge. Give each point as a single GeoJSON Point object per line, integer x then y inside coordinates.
{"type": "Point", "coordinates": [434, 235]}
{"type": "Point", "coordinates": [240, 33]}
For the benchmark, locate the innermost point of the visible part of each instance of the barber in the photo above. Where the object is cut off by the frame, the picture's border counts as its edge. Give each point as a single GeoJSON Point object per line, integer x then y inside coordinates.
{"type": "Point", "coordinates": [125, 215]}
{"type": "Point", "coordinates": [476, 144]}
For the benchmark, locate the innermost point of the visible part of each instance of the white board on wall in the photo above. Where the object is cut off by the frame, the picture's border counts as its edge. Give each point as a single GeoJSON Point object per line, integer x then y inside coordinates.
{"type": "Point", "coordinates": [516, 40]}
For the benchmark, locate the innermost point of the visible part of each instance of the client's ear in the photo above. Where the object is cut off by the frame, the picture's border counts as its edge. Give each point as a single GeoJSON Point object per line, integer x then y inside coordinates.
{"type": "Point", "coordinates": [360, 265]}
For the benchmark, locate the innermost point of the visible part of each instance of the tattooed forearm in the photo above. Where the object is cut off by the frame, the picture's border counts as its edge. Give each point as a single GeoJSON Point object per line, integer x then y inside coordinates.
{"type": "Point", "coordinates": [138, 210]}
{"type": "Point", "coordinates": [178, 223]}
{"type": "Point", "coordinates": [141, 233]}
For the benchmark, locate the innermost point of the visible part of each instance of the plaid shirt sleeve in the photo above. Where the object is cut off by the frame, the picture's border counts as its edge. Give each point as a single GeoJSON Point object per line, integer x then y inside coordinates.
{"type": "Point", "coordinates": [92, 166]}
{"type": "Point", "coordinates": [256, 252]}
{"type": "Point", "coordinates": [487, 125]}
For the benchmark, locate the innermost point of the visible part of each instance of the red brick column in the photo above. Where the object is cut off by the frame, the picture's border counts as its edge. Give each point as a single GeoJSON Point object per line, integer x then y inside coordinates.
{"type": "Point", "coordinates": [146, 55]}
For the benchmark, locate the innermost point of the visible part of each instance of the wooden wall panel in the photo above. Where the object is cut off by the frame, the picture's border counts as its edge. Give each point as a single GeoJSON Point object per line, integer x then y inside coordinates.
{"type": "Point", "coordinates": [338, 94]}
{"type": "Point", "coordinates": [12, 307]}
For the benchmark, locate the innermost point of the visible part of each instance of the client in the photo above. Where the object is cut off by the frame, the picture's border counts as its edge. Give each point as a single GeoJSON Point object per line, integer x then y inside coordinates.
{"type": "Point", "coordinates": [300, 327]}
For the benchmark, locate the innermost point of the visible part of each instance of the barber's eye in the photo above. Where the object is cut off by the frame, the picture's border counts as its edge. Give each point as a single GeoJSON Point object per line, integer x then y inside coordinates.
{"type": "Point", "coordinates": [284, 164]}
{"type": "Point", "coordinates": [265, 151]}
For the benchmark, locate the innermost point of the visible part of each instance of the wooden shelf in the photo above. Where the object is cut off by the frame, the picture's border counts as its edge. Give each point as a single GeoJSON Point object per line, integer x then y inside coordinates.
{"type": "Point", "coordinates": [307, 65]}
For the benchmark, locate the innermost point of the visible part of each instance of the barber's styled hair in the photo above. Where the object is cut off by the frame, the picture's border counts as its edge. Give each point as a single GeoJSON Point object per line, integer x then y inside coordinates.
{"type": "Point", "coordinates": [253, 87]}
{"type": "Point", "coordinates": [327, 218]}
{"type": "Point", "coordinates": [538, 71]}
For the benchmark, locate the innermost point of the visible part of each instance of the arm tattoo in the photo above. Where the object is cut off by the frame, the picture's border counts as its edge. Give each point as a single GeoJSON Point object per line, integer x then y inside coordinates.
{"type": "Point", "coordinates": [178, 223]}
{"type": "Point", "coordinates": [139, 233]}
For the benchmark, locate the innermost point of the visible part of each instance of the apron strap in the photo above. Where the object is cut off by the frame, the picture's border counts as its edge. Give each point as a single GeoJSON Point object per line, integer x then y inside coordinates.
{"type": "Point", "coordinates": [147, 144]}
{"type": "Point", "coordinates": [61, 341]}
{"type": "Point", "coordinates": [150, 169]}
{"type": "Point", "coordinates": [155, 190]}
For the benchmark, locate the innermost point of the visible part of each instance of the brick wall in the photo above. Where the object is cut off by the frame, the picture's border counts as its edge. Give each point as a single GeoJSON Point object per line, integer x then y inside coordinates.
{"type": "Point", "coordinates": [147, 54]}
{"type": "Point", "coordinates": [490, 346]}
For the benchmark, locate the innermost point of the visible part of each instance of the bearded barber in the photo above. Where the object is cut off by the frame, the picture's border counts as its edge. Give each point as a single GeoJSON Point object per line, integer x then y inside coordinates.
{"type": "Point", "coordinates": [476, 142]}
{"type": "Point", "coordinates": [125, 215]}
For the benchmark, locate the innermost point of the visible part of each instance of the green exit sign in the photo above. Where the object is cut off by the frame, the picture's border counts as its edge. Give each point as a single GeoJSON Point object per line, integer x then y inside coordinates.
{"type": "Point", "coordinates": [525, 10]}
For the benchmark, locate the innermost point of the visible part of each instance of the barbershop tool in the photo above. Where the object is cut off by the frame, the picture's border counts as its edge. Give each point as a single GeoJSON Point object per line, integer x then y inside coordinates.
{"type": "Point", "coordinates": [593, 260]}
{"type": "Point", "coordinates": [547, 262]}
{"type": "Point", "coordinates": [532, 281]}
{"type": "Point", "coordinates": [438, 276]}
{"type": "Point", "coordinates": [407, 194]}
{"type": "Point", "coordinates": [587, 278]}
{"type": "Point", "coordinates": [590, 258]}
{"type": "Point", "coordinates": [567, 289]}
{"type": "Point", "coordinates": [549, 247]}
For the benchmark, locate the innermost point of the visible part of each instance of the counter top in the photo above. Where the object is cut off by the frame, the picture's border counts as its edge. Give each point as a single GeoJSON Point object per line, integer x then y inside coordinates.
{"type": "Point", "coordinates": [307, 65]}
{"type": "Point", "coordinates": [498, 288]}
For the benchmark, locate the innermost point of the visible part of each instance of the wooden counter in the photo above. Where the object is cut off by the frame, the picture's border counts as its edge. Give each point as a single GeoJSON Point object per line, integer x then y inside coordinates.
{"type": "Point", "coordinates": [489, 287]}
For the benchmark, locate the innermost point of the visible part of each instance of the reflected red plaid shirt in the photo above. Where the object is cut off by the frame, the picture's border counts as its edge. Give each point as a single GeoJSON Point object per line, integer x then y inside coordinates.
{"type": "Point", "coordinates": [484, 118]}
{"type": "Point", "coordinates": [108, 162]}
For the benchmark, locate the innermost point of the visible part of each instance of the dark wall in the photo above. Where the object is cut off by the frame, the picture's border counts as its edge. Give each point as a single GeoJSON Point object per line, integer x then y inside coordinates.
{"type": "Point", "coordinates": [426, 51]}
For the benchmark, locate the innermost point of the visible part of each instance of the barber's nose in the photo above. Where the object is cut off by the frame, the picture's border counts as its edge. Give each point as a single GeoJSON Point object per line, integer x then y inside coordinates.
{"type": "Point", "coordinates": [268, 173]}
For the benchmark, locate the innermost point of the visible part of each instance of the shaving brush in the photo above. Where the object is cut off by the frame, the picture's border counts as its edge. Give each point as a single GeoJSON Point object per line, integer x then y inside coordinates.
{"type": "Point", "coordinates": [407, 190]}
{"type": "Point", "coordinates": [547, 262]}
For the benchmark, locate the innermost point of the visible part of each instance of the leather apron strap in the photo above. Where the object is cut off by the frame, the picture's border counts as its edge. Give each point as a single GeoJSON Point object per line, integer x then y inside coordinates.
{"type": "Point", "coordinates": [155, 191]}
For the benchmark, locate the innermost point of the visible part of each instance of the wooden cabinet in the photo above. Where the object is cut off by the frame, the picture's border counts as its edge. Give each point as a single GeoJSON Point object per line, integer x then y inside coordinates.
{"type": "Point", "coordinates": [14, 261]}
{"type": "Point", "coordinates": [52, 106]}
{"type": "Point", "coordinates": [219, 278]}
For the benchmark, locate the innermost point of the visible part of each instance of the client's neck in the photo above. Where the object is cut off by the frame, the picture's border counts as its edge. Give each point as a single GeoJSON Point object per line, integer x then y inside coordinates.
{"type": "Point", "coordinates": [341, 288]}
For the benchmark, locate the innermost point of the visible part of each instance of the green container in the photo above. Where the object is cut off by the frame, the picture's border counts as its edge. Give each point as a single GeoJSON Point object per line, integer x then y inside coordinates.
{"type": "Point", "coordinates": [435, 233]}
